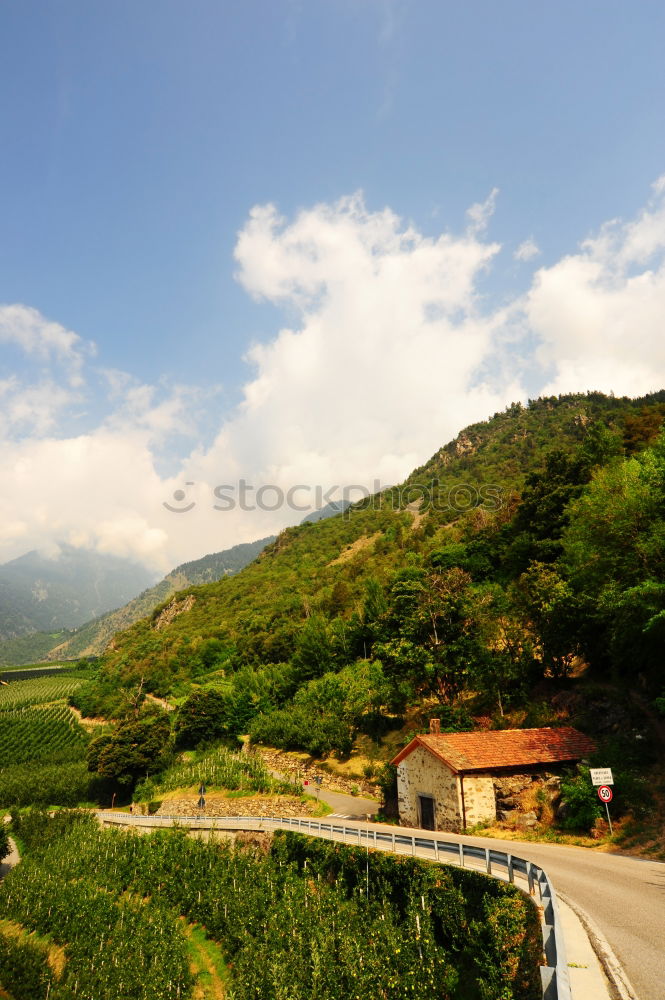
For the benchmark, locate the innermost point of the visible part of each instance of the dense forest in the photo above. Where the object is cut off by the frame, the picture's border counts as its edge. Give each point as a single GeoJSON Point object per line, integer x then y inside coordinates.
{"type": "Point", "coordinates": [527, 551]}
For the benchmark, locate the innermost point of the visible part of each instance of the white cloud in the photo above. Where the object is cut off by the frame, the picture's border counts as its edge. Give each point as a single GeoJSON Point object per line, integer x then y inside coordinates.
{"type": "Point", "coordinates": [527, 250]}
{"type": "Point", "coordinates": [388, 353]}
{"type": "Point", "coordinates": [45, 340]}
{"type": "Point", "coordinates": [382, 364]}
{"type": "Point", "coordinates": [598, 313]}
{"type": "Point", "coordinates": [481, 212]}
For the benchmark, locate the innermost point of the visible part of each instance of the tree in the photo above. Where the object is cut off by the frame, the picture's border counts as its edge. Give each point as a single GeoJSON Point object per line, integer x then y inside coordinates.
{"type": "Point", "coordinates": [201, 719]}
{"type": "Point", "coordinates": [502, 667]}
{"type": "Point", "coordinates": [136, 748]}
{"type": "Point", "coordinates": [436, 634]}
{"type": "Point", "coordinates": [614, 558]}
{"type": "Point", "coordinates": [313, 654]}
{"type": "Point", "coordinates": [552, 615]}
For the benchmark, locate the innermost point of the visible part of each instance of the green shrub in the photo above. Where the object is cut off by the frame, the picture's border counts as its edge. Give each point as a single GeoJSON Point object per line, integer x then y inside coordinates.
{"type": "Point", "coordinates": [580, 802]}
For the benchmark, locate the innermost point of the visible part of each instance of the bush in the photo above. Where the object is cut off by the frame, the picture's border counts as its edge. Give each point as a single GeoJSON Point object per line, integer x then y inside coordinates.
{"type": "Point", "coordinates": [581, 806]}
{"type": "Point", "coordinates": [23, 969]}
{"type": "Point", "coordinates": [296, 729]}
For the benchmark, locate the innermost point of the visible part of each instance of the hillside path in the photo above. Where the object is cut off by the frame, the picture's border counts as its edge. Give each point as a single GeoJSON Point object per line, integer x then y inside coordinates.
{"type": "Point", "coordinates": [12, 859]}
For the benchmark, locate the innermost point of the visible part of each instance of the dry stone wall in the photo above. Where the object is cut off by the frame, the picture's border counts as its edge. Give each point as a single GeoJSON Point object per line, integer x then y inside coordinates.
{"type": "Point", "coordinates": [281, 762]}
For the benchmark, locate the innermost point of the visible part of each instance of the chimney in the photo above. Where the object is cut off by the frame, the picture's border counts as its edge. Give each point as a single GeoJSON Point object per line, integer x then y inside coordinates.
{"type": "Point", "coordinates": [434, 726]}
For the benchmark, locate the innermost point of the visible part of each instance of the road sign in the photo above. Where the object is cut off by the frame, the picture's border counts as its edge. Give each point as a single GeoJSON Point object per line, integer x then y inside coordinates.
{"type": "Point", "coordinates": [601, 776]}
{"type": "Point", "coordinates": [605, 793]}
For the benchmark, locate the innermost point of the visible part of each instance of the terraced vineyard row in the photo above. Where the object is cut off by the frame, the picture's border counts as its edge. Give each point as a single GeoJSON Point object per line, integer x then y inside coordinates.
{"type": "Point", "coordinates": [37, 691]}
{"type": "Point", "coordinates": [32, 734]}
{"type": "Point", "coordinates": [222, 769]}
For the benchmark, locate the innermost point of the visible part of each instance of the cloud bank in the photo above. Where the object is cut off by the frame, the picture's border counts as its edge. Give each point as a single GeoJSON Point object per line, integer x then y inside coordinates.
{"type": "Point", "coordinates": [389, 349]}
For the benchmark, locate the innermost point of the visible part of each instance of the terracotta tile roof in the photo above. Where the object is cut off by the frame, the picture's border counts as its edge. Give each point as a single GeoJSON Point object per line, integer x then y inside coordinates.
{"type": "Point", "coordinates": [503, 748]}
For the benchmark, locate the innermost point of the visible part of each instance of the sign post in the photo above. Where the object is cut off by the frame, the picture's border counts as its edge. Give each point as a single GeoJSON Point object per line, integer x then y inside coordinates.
{"type": "Point", "coordinates": [605, 795]}
{"type": "Point", "coordinates": [602, 777]}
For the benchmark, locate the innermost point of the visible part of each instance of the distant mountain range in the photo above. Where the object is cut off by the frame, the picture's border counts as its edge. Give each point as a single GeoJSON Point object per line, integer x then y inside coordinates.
{"type": "Point", "coordinates": [38, 593]}
{"type": "Point", "coordinates": [50, 641]}
{"type": "Point", "coordinates": [330, 509]}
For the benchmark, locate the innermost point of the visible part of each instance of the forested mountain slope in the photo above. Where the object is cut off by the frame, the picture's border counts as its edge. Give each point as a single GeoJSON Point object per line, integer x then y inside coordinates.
{"type": "Point", "coordinates": [92, 638]}
{"type": "Point", "coordinates": [532, 542]}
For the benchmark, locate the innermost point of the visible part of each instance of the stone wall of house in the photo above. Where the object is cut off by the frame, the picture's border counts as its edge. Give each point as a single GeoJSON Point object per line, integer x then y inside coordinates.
{"type": "Point", "coordinates": [525, 799]}
{"type": "Point", "coordinates": [422, 774]}
{"type": "Point", "coordinates": [479, 799]}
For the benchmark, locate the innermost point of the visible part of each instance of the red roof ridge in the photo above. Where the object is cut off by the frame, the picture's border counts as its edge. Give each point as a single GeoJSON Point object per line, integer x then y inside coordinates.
{"type": "Point", "coordinates": [487, 750]}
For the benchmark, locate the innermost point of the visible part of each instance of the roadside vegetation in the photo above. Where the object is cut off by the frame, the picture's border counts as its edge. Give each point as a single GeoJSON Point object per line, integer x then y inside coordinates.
{"type": "Point", "coordinates": [289, 918]}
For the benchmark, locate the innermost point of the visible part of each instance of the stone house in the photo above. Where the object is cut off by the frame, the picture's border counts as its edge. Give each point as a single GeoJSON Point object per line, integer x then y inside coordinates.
{"type": "Point", "coordinates": [450, 781]}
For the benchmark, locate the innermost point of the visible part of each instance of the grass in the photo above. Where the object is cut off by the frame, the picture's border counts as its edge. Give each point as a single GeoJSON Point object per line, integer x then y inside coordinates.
{"type": "Point", "coordinates": [207, 965]}
{"type": "Point", "coordinates": [55, 955]}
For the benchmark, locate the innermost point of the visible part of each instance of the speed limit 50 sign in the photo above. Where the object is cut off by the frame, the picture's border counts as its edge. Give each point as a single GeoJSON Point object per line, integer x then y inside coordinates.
{"type": "Point", "coordinates": [605, 793]}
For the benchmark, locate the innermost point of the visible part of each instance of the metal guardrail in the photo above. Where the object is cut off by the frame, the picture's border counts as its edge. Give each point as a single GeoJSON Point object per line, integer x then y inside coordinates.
{"type": "Point", "coordinates": [554, 974]}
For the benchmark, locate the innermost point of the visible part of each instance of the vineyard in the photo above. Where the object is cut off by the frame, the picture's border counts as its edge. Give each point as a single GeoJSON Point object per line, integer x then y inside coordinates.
{"type": "Point", "coordinates": [219, 768]}
{"type": "Point", "coordinates": [306, 920]}
{"type": "Point", "coordinates": [37, 691]}
{"type": "Point", "coordinates": [42, 744]}
{"type": "Point", "coordinates": [31, 734]}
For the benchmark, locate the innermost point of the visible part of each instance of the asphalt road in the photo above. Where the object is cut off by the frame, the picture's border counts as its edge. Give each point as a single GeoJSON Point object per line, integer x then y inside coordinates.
{"type": "Point", "coordinates": [625, 897]}
{"type": "Point", "coordinates": [348, 806]}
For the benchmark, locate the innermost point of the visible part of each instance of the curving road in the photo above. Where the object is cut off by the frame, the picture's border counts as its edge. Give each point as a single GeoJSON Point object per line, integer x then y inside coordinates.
{"type": "Point", "coordinates": [623, 896]}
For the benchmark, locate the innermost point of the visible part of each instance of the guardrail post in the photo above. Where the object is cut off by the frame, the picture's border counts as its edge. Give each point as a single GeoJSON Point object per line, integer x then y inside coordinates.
{"type": "Point", "coordinates": [511, 873]}
{"type": "Point", "coordinates": [549, 945]}
{"type": "Point", "coordinates": [461, 854]}
{"type": "Point", "coordinates": [436, 849]}
{"type": "Point", "coordinates": [548, 981]}
{"type": "Point", "coordinates": [413, 847]}
{"type": "Point", "coordinates": [488, 861]}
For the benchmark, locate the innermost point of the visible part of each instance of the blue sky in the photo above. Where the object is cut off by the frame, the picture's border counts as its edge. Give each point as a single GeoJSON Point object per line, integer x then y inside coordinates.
{"type": "Point", "coordinates": [139, 136]}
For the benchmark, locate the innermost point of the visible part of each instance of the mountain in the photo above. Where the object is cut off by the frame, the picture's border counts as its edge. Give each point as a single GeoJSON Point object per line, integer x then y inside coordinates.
{"type": "Point", "coordinates": [467, 577]}
{"type": "Point", "coordinates": [330, 509]}
{"type": "Point", "coordinates": [38, 593]}
{"type": "Point", "coordinates": [92, 638]}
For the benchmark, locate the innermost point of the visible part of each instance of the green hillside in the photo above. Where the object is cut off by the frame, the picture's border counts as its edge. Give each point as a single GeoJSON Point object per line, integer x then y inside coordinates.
{"type": "Point", "coordinates": [508, 559]}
